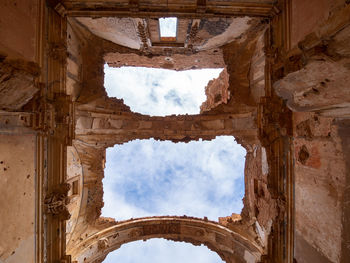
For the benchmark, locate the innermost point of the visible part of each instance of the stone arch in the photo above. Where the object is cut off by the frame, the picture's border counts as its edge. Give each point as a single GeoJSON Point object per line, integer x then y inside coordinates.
{"type": "Point", "coordinates": [75, 178]}
{"type": "Point", "coordinates": [229, 245]}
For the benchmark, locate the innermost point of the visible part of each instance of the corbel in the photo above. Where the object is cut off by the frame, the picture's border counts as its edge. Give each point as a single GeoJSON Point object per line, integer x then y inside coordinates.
{"type": "Point", "coordinates": [56, 202]}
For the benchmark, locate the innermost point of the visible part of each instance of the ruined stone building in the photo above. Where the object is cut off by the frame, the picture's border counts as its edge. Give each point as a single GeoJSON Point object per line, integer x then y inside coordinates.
{"type": "Point", "coordinates": [284, 95]}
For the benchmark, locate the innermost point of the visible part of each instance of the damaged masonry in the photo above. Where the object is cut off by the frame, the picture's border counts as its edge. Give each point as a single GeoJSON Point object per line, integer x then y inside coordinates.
{"type": "Point", "coordinates": [283, 94]}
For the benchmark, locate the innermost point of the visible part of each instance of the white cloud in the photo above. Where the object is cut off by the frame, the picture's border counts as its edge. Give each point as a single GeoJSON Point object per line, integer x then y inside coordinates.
{"type": "Point", "coordinates": [160, 251]}
{"type": "Point", "coordinates": [148, 177]}
{"type": "Point", "coordinates": [159, 92]}
{"type": "Point", "coordinates": [167, 26]}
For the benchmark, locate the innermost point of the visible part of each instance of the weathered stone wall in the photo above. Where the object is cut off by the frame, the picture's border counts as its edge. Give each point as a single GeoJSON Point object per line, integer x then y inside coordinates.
{"type": "Point", "coordinates": [343, 129]}
{"type": "Point", "coordinates": [17, 201]}
{"type": "Point", "coordinates": [74, 73]}
{"type": "Point", "coordinates": [320, 180]}
{"type": "Point", "coordinates": [18, 53]}
{"type": "Point", "coordinates": [18, 28]}
{"type": "Point", "coordinates": [217, 92]}
{"type": "Point", "coordinates": [18, 174]}
{"type": "Point", "coordinates": [317, 75]}
{"type": "Point", "coordinates": [257, 70]}
{"type": "Point", "coordinates": [314, 83]}
{"type": "Point", "coordinates": [242, 58]}
{"type": "Point", "coordinates": [75, 180]}
{"type": "Point", "coordinates": [308, 15]}
{"type": "Point", "coordinates": [310, 146]}
{"type": "Point", "coordinates": [17, 82]}
{"type": "Point", "coordinates": [260, 209]}
{"type": "Point", "coordinates": [169, 60]}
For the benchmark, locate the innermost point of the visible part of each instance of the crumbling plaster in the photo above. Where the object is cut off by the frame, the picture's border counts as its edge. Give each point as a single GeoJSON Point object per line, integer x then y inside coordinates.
{"type": "Point", "coordinates": [317, 76]}
{"type": "Point", "coordinates": [315, 85]}
{"type": "Point", "coordinates": [103, 122]}
{"type": "Point", "coordinates": [210, 32]}
{"type": "Point", "coordinates": [306, 149]}
{"type": "Point", "coordinates": [319, 184]}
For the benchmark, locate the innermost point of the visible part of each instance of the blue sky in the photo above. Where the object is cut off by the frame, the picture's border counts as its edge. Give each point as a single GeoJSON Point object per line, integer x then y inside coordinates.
{"type": "Point", "coordinates": [148, 177]}
{"type": "Point", "coordinates": [162, 251]}
{"type": "Point", "coordinates": [159, 92]}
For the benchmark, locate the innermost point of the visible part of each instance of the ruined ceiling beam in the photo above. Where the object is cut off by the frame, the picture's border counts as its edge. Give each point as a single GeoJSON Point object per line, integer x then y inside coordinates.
{"type": "Point", "coordinates": [159, 9]}
{"type": "Point", "coordinates": [109, 129]}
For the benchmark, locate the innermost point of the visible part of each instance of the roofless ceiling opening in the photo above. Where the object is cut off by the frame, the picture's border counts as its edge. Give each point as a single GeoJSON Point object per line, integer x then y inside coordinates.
{"type": "Point", "coordinates": [160, 251]}
{"type": "Point", "coordinates": [159, 92]}
{"type": "Point", "coordinates": [156, 178]}
{"type": "Point", "coordinates": [146, 178]}
{"type": "Point", "coordinates": [168, 27]}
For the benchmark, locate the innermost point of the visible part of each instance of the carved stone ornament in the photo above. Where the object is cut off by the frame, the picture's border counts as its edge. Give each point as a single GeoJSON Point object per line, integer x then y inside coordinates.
{"type": "Point", "coordinates": [56, 202]}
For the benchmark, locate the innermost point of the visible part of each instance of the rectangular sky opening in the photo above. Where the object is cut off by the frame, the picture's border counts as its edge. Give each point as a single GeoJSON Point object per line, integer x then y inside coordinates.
{"type": "Point", "coordinates": [156, 178]}
{"type": "Point", "coordinates": [167, 26]}
{"type": "Point", "coordinates": [159, 92]}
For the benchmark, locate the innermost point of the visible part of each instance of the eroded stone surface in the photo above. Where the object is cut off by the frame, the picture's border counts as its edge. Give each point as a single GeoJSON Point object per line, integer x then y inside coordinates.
{"type": "Point", "coordinates": [217, 92]}
{"type": "Point", "coordinates": [297, 167]}
{"type": "Point", "coordinates": [319, 179]}
{"type": "Point", "coordinates": [230, 246]}
{"type": "Point", "coordinates": [17, 206]}
{"type": "Point", "coordinates": [17, 85]}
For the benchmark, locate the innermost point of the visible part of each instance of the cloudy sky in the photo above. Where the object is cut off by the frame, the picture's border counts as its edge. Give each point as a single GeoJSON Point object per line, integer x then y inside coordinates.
{"type": "Point", "coordinates": [162, 251]}
{"type": "Point", "coordinates": [159, 92]}
{"type": "Point", "coordinates": [148, 177]}
{"type": "Point", "coordinates": [167, 26]}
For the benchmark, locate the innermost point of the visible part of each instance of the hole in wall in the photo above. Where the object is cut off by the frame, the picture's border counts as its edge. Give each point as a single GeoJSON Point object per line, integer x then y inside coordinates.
{"type": "Point", "coordinates": [167, 26]}
{"type": "Point", "coordinates": [200, 178]}
{"type": "Point", "coordinates": [303, 155]}
{"type": "Point", "coordinates": [159, 92]}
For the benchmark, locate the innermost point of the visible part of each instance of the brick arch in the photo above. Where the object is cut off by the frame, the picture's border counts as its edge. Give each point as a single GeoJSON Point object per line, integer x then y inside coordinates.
{"type": "Point", "coordinates": [229, 245]}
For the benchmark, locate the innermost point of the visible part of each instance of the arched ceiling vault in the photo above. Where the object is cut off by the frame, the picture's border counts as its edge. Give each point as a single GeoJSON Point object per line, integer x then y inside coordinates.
{"type": "Point", "coordinates": [230, 246]}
